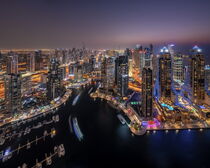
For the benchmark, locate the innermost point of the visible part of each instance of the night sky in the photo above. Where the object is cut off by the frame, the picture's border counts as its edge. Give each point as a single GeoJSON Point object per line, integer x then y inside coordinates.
{"type": "Point", "coordinates": [103, 23]}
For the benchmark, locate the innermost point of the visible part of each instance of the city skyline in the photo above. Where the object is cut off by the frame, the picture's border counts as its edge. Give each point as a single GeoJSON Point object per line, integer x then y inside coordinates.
{"type": "Point", "coordinates": [107, 24]}
{"type": "Point", "coordinates": [104, 83]}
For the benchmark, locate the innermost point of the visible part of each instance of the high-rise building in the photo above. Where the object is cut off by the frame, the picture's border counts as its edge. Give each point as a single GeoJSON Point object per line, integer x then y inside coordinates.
{"type": "Point", "coordinates": [197, 70]}
{"type": "Point", "coordinates": [32, 63]}
{"type": "Point", "coordinates": [12, 63]}
{"type": "Point", "coordinates": [13, 93]}
{"type": "Point", "coordinates": [1, 60]}
{"type": "Point", "coordinates": [38, 60]}
{"type": "Point", "coordinates": [147, 58]}
{"type": "Point", "coordinates": [130, 65]}
{"type": "Point", "coordinates": [136, 54]}
{"type": "Point", "coordinates": [78, 72]}
{"type": "Point", "coordinates": [122, 75]}
{"type": "Point", "coordinates": [108, 73]}
{"type": "Point", "coordinates": [26, 84]}
{"type": "Point", "coordinates": [54, 85]}
{"type": "Point", "coordinates": [207, 77]}
{"type": "Point", "coordinates": [2, 88]}
{"type": "Point", "coordinates": [178, 71]}
{"type": "Point", "coordinates": [147, 92]}
{"type": "Point", "coordinates": [165, 74]}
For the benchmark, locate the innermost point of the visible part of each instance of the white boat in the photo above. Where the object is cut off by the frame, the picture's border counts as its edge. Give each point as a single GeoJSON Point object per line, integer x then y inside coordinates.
{"type": "Point", "coordinates": [38, 125]}
{"type": "Point", "coordinates": [38, 164]}
{"type": "Point", "coordinates": [77, 129]}
{"type": "Point", "coordinates": [121, 118]}
{"type": "Point", "coordinates": [24, 165]}
{"type": "Point", "coordinates": [90, 90]}
{"type": "Point", "coordinates": [61, 150]}
{"type": "Point", "coordinates": [48, 160]}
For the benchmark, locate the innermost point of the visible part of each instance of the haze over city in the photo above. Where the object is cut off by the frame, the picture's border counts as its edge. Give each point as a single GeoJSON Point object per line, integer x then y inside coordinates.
{"type": "Point", "coordinates": [103, 24]}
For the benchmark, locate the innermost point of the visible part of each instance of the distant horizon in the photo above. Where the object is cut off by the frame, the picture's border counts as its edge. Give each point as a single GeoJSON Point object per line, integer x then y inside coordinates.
{"type": "Point", "coordinates": [104, 24]}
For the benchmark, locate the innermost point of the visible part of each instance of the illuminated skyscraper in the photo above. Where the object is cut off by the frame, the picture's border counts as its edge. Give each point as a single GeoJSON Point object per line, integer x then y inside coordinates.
{"type": "Point", "coordinates": [13, 93]}
{"type": "Point", "coordinates": [38, 60]}
{"type": "Point", "coordinates": [147, 91]}
{"type": "Point", "coordinates": [165, 74]}
{"type": "Point", "coordinates": [1, 61]}
{"type": "Point", "coordinates": [122, 75]}
{"type": "Point", "coordinates": [108, 73]}
{"type": "Point", "coordinates": [136, 56]}
{"type": "Point", "coordinates": [147, 82]}
{"type": "Point", "coordinates": [12, 63]}
{"type": "Point", "coordinates": [32, 62]}
{"type": "Point", "coordinates": [207, 77]}
{"type": "Point", "coordinates": [197, 71]}
{"type": "Point", "coordinates": [178, 71]}
{"type": "Point", "coordinates": [54, 85]}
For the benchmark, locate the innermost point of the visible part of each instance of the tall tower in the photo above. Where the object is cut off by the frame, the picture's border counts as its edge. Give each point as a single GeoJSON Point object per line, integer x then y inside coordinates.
{"type": "Point", "coordinates": [165, 73]}
{"type": "Point", "coordinates": [108, 73]}
{"type": "Point", "coordinates": [13, 93]}
{"type": "Point", "coordinates": [122, 75]}
{"type": "Point", "coordinates": [147, 83]}
{"type": "Point", "coordinates": [12, 63]}
{"type": "Point", "coordinates": [178, 71]}
{"type": "Point", "coordinates": [38, 60]}
{"type": "Point", "coordinates": [54, 87]}
{"type": "Point", "coordinates": [147, 91]}
{"type": "Point", "coordinates": [197, 71]}
{"type": "Point", "coordinates": [207, 77]}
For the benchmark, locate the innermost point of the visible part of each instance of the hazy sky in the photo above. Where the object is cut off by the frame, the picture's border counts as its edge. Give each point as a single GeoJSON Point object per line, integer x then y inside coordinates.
{"type": "Point", "coordinates": [102, 23]}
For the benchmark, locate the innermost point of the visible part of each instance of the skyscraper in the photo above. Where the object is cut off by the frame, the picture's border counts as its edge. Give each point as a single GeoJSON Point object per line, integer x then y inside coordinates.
{"type": "Point", "coordinates": [54, 85]}
{"type": "Point", "coordinates": [147, 91]}
{"type": "Point", "coordinates": [108, 73]}
{"type": "Point", "coordinates": [122, 75]}
{"type": "Point", "coordinates": [207, 77]}
{"type": "Point", "coordinates": [165, 73]}
{"type": "Point", "coordinates": [13, 93]}
{"type": "Point", "coordinates": [197, 81]}
{"type": "Point", "coordinates": [12, 63]}
{"type": "Point", "coordinates": [178, 71]}
{"type": "Point", "coordinates": [147, 82]}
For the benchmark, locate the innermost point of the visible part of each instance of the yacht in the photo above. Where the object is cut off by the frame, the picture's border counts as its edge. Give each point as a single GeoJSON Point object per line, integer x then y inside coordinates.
{"type": "Point", "coordinates": [38, 164]}
{"type": "Point", "coordinates": [38, 125]}
{"type": "Point", "coordinates": [61, 150]}
{"type": "Point", "coordinates": [121, 118]}
{"type": "Point", "coordinates": [48, 160]}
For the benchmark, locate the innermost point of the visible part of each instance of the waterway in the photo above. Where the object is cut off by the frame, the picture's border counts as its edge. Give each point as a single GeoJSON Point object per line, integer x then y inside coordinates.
{"type": "Point", "coordinates": [107, 143]}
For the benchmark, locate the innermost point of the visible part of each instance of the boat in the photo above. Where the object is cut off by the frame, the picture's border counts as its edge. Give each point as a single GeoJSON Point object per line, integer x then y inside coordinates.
{"type": "Point", "coordinates": [2, 140]}
{"type": "Point", "coordinates": [61, 150]}
{"type": "Point", "coordinates": [121, 118]}
{"type": "Point", "coordinates": [55, 118]}
{"type": "Point", "coordinates": [76, 99]}
{"type": "Point", "coordinates": [90, 90]}
{"type": "Point", "coordinates": [38, 125]}
{"type": "Point", "coordinates": [70, 125]}
{"type": "Point", "coordinates": [48, 160]}
{"type": "Point", "coordinates": [38, 164]}
{"type": "Point", "coordinates": [48, 122]}
{"type": "Point", "coordinates": [24, 165]}
{"type": "Point", "coordinates": [77, 129]}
